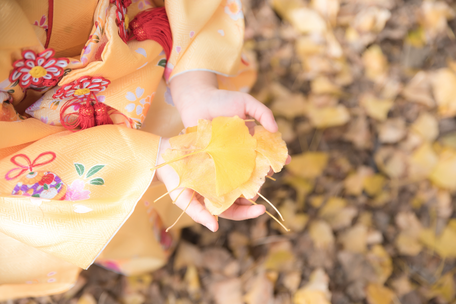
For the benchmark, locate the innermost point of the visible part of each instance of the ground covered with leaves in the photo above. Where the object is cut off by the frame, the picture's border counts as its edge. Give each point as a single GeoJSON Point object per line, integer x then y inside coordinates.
{"type": "Point", "coordinates": [365, 96]}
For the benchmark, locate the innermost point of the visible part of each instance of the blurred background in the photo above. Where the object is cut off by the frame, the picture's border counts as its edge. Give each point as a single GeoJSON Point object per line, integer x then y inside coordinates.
{"type": "Point", "coordinates": [364, 92]}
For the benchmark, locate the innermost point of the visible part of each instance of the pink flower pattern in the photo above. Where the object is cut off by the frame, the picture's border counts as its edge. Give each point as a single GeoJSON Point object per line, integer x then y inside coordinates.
{"type": "Point", "coordinates": [42, 23]}
{"type": "Point", "coordinates": [76, 191]}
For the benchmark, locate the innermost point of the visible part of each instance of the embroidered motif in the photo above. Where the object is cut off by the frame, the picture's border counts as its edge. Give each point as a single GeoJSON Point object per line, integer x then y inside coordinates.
{"type": "Point", "coordinates": [97, 41]}
{"type": "Point", "coordinates": [122, 18]}
{"type": "Point", "coordinates": [91, 112]}
{"type": "Point", "coordinates": [38, 184]}
{"type": "Point", "coordinates": [38, 71]}
{"type": "Point", "coordinates": [82, 88]}
{"type": "Point", "coordinates": [41, 23]}
{"type": "Point", "coordinates": [76, 191]}
{"type": "Point", "coordinates": [144, 103]}
{"type": "Point", "coordinates": [234, 9]}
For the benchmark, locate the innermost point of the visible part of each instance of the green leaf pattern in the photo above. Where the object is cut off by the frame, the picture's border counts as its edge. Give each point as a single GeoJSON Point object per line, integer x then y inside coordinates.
{"type": "Point", "coordinates": [79, 168]}
{"type": "Point", "coordinates": [97, 181]}
{"type": "Point", "coordinates": [94, 170]}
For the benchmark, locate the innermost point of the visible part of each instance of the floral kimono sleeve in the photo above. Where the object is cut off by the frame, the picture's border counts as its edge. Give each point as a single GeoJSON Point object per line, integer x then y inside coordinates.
{"type": "Point", "coordinates": [67, 194]}
{"type": "Point", "coordinates": [209, 36]}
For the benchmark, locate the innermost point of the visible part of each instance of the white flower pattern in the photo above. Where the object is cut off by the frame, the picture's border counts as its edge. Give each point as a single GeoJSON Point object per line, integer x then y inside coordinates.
{"type": "Point", "coordinates": [234, 9]}
{"type": "Point", "coordinates": [141, 109]}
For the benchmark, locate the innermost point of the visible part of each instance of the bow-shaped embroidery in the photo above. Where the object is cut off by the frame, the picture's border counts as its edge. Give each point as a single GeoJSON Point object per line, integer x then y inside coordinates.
{"type": "Point", "coordinates": [30, 165]}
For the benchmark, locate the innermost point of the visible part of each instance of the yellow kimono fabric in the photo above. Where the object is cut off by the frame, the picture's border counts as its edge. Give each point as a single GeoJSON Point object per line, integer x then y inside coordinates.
{"type": "Point", "coordinates": [69, 199]}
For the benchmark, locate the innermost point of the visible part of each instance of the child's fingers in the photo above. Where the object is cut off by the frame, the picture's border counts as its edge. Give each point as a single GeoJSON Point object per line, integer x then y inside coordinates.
{"type": "Point", "coordinates": [288, 160]}
{"type": "Point", "coordinates": [260, 112]}
{"type": "Point", "coordinates": [239, 212]}
{"type": "Point", "coordinates": [196, 210]}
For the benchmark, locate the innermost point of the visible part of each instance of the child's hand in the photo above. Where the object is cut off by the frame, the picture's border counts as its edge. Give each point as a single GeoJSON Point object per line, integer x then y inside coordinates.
{"type": "Point", "coordinates": [196, 96]}
{"type": "Point", "coordinates": [242, 209]}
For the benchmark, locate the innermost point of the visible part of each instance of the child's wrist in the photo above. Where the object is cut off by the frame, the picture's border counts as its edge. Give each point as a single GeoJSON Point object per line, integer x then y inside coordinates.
{"type": "Point", "coordinates": [187, 89]}
{"type": "Point", "coordinates": [164, 145]}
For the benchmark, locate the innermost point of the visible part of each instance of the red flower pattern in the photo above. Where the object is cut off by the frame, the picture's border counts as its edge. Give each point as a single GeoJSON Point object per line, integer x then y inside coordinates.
{"type": "Point", "coordinates": [82, 88]}
{"type": "Point", "coordinates": [36, 71]}
{"type": "Point", "coordinates": [47, 179]}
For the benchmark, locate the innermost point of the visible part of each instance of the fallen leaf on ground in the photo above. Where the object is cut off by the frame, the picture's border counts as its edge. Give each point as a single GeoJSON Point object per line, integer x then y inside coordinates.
{"type": "Point", "coordinates": [337, 213]}
{"type": "Point", "coordinates": [373, 184]}
{"type": "Point", "coordinates": [192, 280]}
{"type": "Point", "coordinates": [296, 221]}
{"type": "Point", "coordinates": [444, 287]}
{"type": "Point", "coordinates": [321, 234]}
{"type": "Point", "coordinates": [376, 108]}
{"type": "Point", "coordinates": [355, 239]}
{"type": "Point", "coordinates": [444, 173]}
{"type": "Point", "coordinates": [434, 16]}
{"type": "Point", "coordinates": [308, 164]}
{"type": "Point", "coordinates": [262, 290]}
{"type": "Point", "coordinates": [382, 263]}
{"type": "Point", "coordinates": [302, 186]}
{"type": "Point", "coordinates": [328, 116]}
{"type": "Point", "coordinates": [314, 22]}
{"type": "Point", "coordinates": [444, 89]}
{"type": "Point", "coordinates": [375, 63]}
{"type": "Point", "coordinates": [422, 162]}
{"type": "Point", "coordinates": [391, 161]}
{"type": "Point", "coordinates": [354, 183]}
{"type": "Point", "coordinates": [322, 85]}
{"type": "Point", "coordinates": [316, 291]}
{"type": "Point", "coordinates": [419, 90]}
{"type": "Point", "coordinates": [426, 126]}
{"type": "Point", "coordinates": [392, 130]}
{"type": "Point", "coordinates": [443, 244]}
{"type": "Point", "coordinates": [379, 294]}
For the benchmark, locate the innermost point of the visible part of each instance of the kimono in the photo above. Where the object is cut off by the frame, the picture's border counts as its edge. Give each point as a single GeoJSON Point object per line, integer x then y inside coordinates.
{"type": "Point", "coordinates": [70, 198]}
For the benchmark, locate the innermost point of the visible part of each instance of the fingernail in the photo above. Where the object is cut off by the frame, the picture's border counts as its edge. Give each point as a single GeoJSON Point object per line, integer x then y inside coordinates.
{"type": "Point", "coordinates": [210, 226]}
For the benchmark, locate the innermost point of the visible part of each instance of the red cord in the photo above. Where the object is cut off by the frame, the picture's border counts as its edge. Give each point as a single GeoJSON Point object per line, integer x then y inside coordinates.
{"type": "Point", "coordinates": [153, 24]}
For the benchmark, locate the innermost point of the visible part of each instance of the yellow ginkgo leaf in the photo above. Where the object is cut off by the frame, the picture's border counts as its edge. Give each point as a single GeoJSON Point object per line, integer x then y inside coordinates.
{"type": "Point", "coordinates": [185, 141]}
{"type": "Point", "coordinates": [382, 263]}
{"type": "Point", "coordinates": [271, 146]}
{"type": "Point", "coordinates": [196, 172]}
{"type": "Point", "coordinates": [376, 108]}
{"type": "Point", "coordinates": [233, 150]}
{"type": "Point", "coordinates": [379, 294]}
{"type": "Point", "coordinates": [444, 243]}
{"type": "Point", "coordinates": [201, 158]}
{"type": "Point", "coordinates": [250, 188]}
{"type": "Point", "coordinates": [373, 184]}
{"type": "Point", "coordinates": [309, 164]}
{"type": "Point", "coordinates": [327, 117]}
{"type": "Point", "coordinates": [218, 204]}
{"type": "Point", "coordinates": [316, 291]}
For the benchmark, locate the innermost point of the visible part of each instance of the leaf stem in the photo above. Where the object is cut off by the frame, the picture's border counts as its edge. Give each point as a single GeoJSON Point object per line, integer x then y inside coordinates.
{"type": "Point", "coordinates": [178, 196]}
{"type": "Point", "coordinates": [283, 226]}
{"type": "Point", "coordinates": [174, 160]}
{"type": "Point", "coordinates": [167, 229]}
{"type": "Point", "coordinates": [165, 195]}
{"type": "Point", "coordinates": [278, 212]}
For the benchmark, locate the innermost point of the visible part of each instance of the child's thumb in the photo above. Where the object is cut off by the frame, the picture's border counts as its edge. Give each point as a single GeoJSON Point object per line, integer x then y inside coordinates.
{"type": "Point", "coordinates": [260, 112]}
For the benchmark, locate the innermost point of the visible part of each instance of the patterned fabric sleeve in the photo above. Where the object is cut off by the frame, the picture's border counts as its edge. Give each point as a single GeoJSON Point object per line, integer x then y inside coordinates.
{"type": "Point", "coordinates": [207, 36]}
{"type": "Point", "coordinates": [68, 193]}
